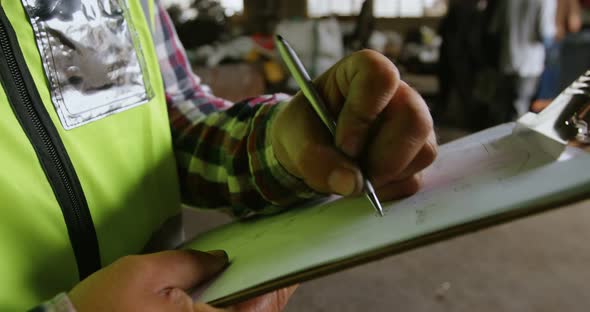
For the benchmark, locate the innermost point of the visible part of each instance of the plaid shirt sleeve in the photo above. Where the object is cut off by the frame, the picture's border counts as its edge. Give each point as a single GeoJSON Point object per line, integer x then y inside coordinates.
{"type": "Point", "coordinates": [223, 150]}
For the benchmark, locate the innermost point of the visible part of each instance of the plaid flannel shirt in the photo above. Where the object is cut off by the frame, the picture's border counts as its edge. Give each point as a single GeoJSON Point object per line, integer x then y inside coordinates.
{"type": "Point", "coordinates": [223, 151]}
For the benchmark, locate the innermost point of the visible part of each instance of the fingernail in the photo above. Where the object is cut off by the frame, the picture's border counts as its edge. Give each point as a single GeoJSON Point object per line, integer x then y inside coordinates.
{"type": "Point", "coordinates": [176, 295]}
{"type": "Point", "coordinates": [342, 181]}
{"type": "Point", "coordinates": [219, 254]}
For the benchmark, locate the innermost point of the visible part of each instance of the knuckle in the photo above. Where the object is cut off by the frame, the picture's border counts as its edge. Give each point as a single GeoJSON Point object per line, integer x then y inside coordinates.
{"type": "Point", "coordinates": [416, 137]}
{"type": "Point", "coordinates": [412, 185]}
{"type": "Point", "coordinates": [363, 115]}
{"type": "Point", "coordinates": [388, 75]}
{"type": "Point", "coordinates": [418, 116]}
{"type": "Point", "coordinates": [368, 56]}
{"type": "Point", "coordinates": [380, 66]}
{"type": "Point", "coordinates": [425, 128]}
{"type": "Point", "coordinates": [406, 187]}
{"type": "Point", "coordinates": [430, 152]}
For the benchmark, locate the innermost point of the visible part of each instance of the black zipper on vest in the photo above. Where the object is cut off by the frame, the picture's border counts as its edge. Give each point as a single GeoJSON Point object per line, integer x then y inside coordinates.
{"type": "Point", "coordinates": [36, 123]}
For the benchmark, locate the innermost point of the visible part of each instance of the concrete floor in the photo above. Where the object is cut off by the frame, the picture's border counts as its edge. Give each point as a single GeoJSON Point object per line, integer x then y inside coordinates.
{"type": "Point", "coordinates": [541, 263]}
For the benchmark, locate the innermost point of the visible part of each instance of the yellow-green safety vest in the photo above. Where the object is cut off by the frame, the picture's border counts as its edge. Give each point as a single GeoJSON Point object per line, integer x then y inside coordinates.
{"type": "Point", "coordinates": [74, 200]}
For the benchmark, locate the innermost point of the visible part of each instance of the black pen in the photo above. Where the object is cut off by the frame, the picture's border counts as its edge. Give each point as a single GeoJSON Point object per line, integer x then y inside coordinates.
{"type": "Point", "coordinates": [304, 82]}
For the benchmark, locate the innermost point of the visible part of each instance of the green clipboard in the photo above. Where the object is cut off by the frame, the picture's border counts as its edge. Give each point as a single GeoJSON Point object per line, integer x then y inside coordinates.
{"type": "Point", "coordinates": [478, 181]}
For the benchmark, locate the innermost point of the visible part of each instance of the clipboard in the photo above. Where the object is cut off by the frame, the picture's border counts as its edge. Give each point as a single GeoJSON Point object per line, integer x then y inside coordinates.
{"type": "Point", "coordinates": [488, 178]}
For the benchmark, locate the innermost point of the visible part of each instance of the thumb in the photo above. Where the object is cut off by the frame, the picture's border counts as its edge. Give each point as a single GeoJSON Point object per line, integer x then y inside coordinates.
{"type": "Point", "coordinates": [327, 170]}
{"type": "Point", "coordinates": [271, 302]}
{"type": "Point", "coordinates": [186, 269]}
{"type": "Point", "coordinates": [305, 148]}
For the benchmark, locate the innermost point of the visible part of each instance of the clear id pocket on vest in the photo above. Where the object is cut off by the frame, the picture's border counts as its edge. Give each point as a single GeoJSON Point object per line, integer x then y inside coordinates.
{"type": "Point", "coordinates": [92, 57]}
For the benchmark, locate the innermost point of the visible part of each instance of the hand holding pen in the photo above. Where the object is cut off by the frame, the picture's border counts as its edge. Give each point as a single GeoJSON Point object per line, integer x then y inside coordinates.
{"type": "Point", "coordinates": [317, 103]}
{"type": "Point", "coordinates": [379, 124]}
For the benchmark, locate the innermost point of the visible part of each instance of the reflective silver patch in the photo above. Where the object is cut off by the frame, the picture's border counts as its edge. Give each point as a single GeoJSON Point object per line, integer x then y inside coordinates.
{"type": "Point", "coordinates": [92, 57]}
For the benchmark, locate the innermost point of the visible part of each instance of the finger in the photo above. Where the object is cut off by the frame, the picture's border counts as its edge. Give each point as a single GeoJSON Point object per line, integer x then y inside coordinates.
{"type": "Point", "coordinates": [405, 127]}
{"type": "Point", "coordinates": [203, 307]}
{"type": "Point", "coordinates": [311, 153]}
{"type": "Point", "coordinates": [401, 188]}
{"type": "Point", "coordinates": [177, 300]}
{"type": "Point", "coordinates": [183, 269]}
{"type": "Point", "coordinates": [327, 170]}
{"type": "Point", "coordinates": [421, 161]}
{"type": "Point", "coordinates": [368, 80]}
{"type": "Point", "coordinates": [272, 302]}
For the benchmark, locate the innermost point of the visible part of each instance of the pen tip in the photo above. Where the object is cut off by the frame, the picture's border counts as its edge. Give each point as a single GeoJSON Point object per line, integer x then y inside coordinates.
{"type": "Point", "coordinates": [279, 37]}
{"type": "Point", "coordinates": [380, 210]}
{"type": "Point", "coordinates": [370, 193]}
{"type": "Point", "coordinates": [376, 204]}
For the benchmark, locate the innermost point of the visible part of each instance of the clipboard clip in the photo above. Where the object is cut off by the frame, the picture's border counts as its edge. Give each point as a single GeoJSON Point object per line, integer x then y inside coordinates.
{"type": "Point", "coordinates": [564, 120]}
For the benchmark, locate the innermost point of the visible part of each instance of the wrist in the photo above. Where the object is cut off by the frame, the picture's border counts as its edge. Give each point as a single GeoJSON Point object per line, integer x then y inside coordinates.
{"type": "Point", "coordinates": [276, 183]}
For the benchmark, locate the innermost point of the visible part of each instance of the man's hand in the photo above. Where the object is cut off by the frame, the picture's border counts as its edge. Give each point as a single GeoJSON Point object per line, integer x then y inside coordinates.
{"type": "Point", "coordinates": [383, 125]}
{"type": "Point", "coordinates": [158, 282]}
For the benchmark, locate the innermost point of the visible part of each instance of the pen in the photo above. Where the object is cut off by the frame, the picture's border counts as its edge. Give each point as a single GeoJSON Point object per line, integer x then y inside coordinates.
{"type": "Point", "coordinates": [303, 80]}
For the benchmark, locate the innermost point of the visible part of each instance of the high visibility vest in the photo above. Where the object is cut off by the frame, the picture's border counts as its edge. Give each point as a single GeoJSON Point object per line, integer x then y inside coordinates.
{"type": "Point", "coordinates": [76, 195]}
